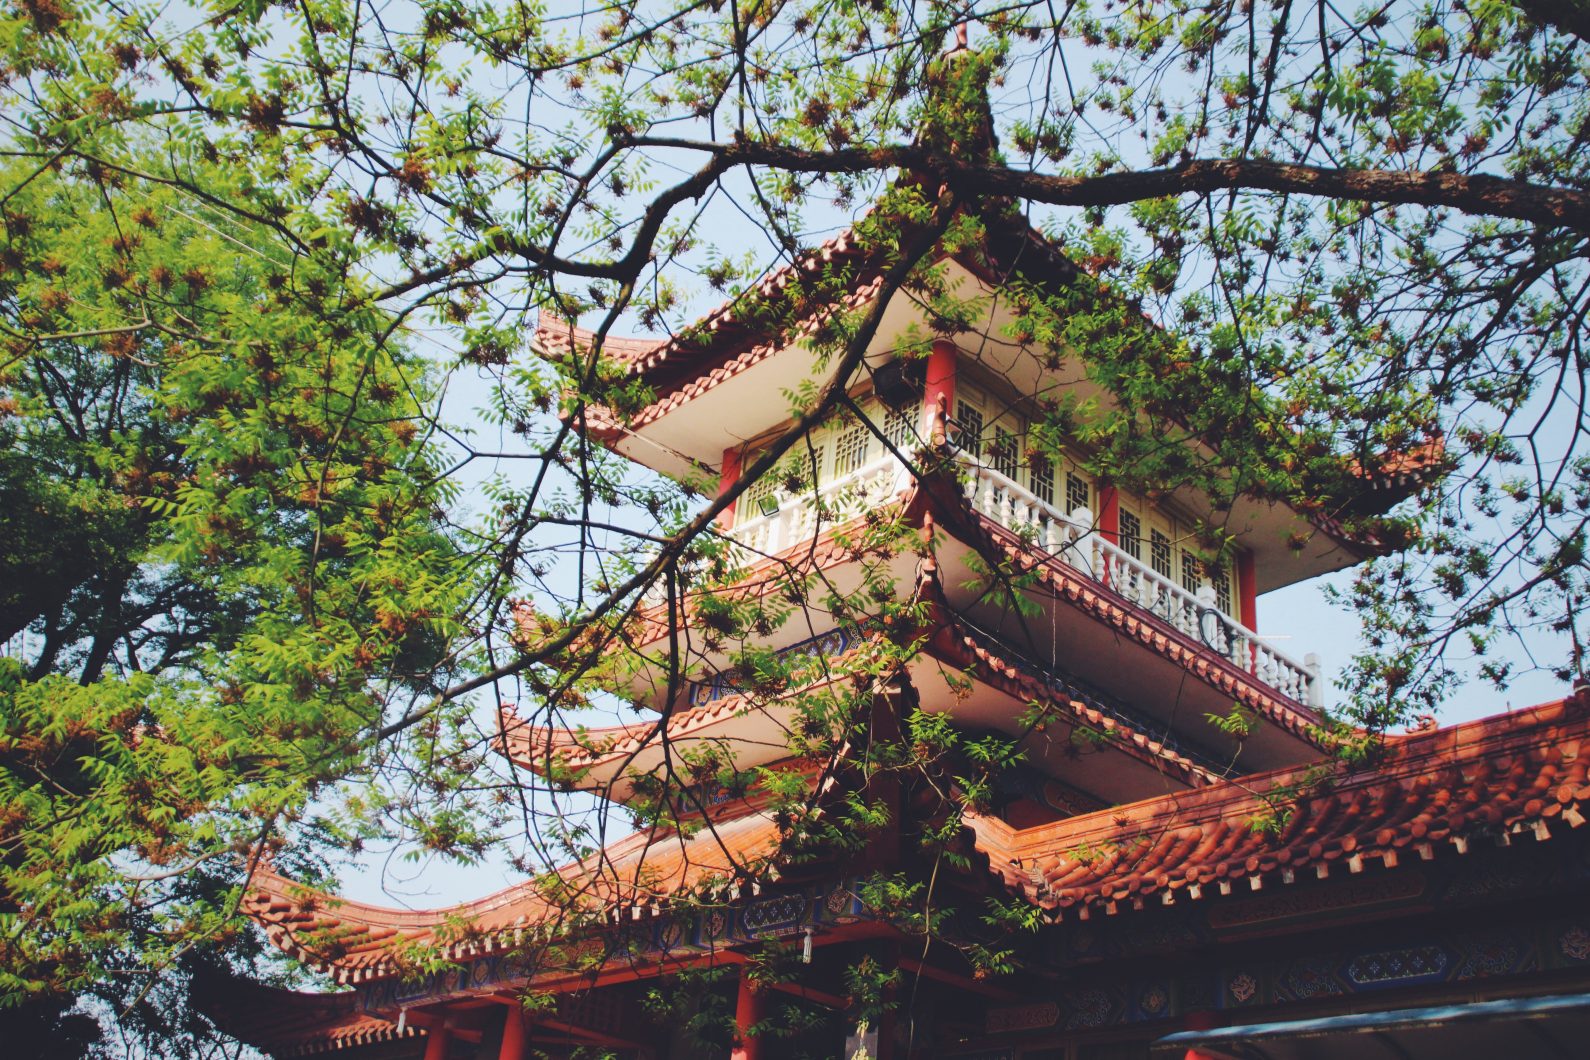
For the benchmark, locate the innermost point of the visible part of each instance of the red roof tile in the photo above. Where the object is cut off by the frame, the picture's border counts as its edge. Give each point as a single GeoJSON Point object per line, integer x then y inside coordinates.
{"type": "Point", "coordinates": [1520, 772]}
{"type": "Point", "coordinates": [720, 332]}
{"type": "Point", "coordinates": [293, 1022]}
{"type": "Point", "coordinates": [357, 941]}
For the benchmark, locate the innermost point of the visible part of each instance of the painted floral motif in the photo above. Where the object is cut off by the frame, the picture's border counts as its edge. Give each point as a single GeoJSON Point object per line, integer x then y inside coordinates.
{"type": "Point", "coordinates": [1575, 943]}
{"type": "Point", "coordinates": [1491, 955]}
{"type": "Point", "coordinates": [1154, 1000]}
{"type": "Point", "coordinates": [1388, 966]}
{"type": "Point", "coordinates": [1243, 986]}
{"type": "Point", "coordinates": [1089, 1008]}
{"type": "Point", "coordinates": [1312, 979]}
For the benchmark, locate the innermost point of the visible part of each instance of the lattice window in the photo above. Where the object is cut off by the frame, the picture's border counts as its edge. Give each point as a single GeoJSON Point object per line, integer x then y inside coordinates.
{"type": "Point", "coordinates": [756, 495]}
{"type": "Point", "coordinates": [1079, 492]}
{"type": "Point", "coordinates": [900, 426]}
{"type": "Point", "coordinates": [1131, 534]}
{"type": "Point", "coordinates": [1191, 572]}
{"type": "Point", "coordinates": [970, 420]}
{"type": "Point", "coordinates": [1221, 580]}
{"type": "Point", "coordinates": [1159, 552]}
{"type": "Point", "coordinates": [1002, 453]}
{"type": "Point", "coordinates": [1043, 479]}
{"type": "Point", "coordinates": [850, 451]}
{"type": "Point", "coordinates": [813, 470]}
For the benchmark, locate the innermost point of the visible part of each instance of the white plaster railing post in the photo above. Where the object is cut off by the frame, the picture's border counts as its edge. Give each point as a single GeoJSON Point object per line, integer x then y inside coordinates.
{"type": "Point", "coordinates": [1316, 681]}
{"type": "Point", "coordinates": [1084, 540]}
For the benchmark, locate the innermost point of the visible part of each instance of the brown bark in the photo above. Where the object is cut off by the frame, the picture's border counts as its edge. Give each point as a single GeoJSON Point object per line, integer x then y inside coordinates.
{"type": "Point", "coordinates": [1476, 194]}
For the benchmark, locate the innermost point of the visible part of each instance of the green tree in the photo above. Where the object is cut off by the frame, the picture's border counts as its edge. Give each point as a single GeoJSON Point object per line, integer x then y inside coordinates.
{"type": "Point", "coordinates": [1366, 231]}
{"type": "Point", "coordinates": [223, 554]}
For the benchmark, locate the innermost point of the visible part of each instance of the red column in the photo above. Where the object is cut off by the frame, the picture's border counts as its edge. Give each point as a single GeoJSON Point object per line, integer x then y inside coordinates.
{"type": "Point", "coordinates": [1200, 1021]}
{"type": "Point", "coordinates": [731, 474]}
{"type": "Point", "coordinates": [1108, 517]}
{"type": "Point", "coordinates": [436, 1040]}
{"type": "Point", "coordinates": [513, 1034]}
{"type": "Point", "coordinates": [1247, 591]}
{"type": "Point", "coordinates": [940, 384]}
{"type": "Point", "coordinates": [748, 1009]}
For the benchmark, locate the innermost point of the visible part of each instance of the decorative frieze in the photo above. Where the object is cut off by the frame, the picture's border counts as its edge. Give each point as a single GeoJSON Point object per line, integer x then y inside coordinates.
{"type": "Point", "coordinates": [681, 936]}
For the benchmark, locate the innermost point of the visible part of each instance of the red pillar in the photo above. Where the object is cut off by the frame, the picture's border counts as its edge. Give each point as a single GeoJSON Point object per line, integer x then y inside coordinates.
{"type": "Point", "coordinates": [1108, 517]}
{"type": "Point", "coordinates": [748, 1010]}
{"type": "Point", "coordinates": [730, 475]}
{"type": "Point", "coordinates": [437, 1038]}
{"type": "Point", "coordinates": [939, 388]}
{"type": "Point", "coordinates": [513, 1034]}
{"type": "Point", "coordinates": [1247, 591]}
{"type": "Point", "coordinates": [1200, 1021]}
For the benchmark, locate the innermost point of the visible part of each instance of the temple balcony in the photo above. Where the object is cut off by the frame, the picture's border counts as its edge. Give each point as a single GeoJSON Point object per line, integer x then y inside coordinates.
{"type": "Point", "coordinates": [777, 520]}
{"type": "Point", "coordinates": [774, 521]}
{"type": "Point", "coordinates": [1075, 540]}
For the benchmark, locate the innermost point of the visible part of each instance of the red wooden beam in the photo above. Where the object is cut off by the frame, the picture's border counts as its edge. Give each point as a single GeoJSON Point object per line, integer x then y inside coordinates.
{"type": "Point", "coordinates": [729, 475]}
{"type": "Point", "coordinates": [806, 993]}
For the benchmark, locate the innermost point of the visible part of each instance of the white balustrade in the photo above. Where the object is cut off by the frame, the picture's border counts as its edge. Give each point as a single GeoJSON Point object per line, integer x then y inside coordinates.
{"type": "Point", "coordinates": [1073, 540]}
{"type": "Point", "coordinates": [1070, 538]}
{"type": "Point", "coordinates": [802, 516]}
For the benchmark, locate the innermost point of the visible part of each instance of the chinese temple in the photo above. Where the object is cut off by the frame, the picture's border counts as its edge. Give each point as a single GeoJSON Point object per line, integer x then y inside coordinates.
{"type": "Point", "coordinates": [1195, 889]}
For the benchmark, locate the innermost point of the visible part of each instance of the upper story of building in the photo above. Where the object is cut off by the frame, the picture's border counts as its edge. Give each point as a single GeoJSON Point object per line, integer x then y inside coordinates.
{"type": "Point", "coordinates": [1124, 612]}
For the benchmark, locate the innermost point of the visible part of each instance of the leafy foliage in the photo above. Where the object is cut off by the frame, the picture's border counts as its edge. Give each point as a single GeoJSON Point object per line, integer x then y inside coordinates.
{"type": "Point", "coordinates": [286, 496]}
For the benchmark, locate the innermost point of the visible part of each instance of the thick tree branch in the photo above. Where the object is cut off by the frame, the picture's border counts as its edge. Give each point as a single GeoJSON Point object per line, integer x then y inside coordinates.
{"type": "Point", "coordinates": [1477, 194]}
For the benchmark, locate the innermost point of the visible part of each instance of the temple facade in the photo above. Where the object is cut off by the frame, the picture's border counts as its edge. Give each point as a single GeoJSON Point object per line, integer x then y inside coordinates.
{"type": "Point", "coordinates": [1196, 889]}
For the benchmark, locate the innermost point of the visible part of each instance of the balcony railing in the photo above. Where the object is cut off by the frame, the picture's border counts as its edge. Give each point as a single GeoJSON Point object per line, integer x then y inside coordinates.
{"type": "Point", "coordinates": [800, 517]}
{"type": "Point", "coordinates": [1074, 540]}
{"type": "Point", "coordinates": [795, 518]}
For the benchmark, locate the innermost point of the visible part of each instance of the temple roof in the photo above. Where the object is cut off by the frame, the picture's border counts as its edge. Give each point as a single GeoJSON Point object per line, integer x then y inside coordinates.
{"type": "Point", "coordinates": [1521, 773]}
{"type": "Point", "coordinates": [1518, 773]}
{"type": "Point", "coordinates": [731, 325]}
{"type": "Point", "coordinates": [357, 941]}
{"type": "Point", "coordinates": [595, 759]}
{"type": "Point", "coordinates": [290, 1023]}
{"type": "Point", "coordinates": [956, 643]}
{"type": "Point", "coordinates": [1086, 594]}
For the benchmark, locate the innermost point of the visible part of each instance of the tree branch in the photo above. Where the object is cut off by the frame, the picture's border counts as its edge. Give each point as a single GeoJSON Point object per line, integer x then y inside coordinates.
{"type": "Point", "coordinates": [1478, 194]}
{"type": "Point", "coordinates": [911, 251]}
